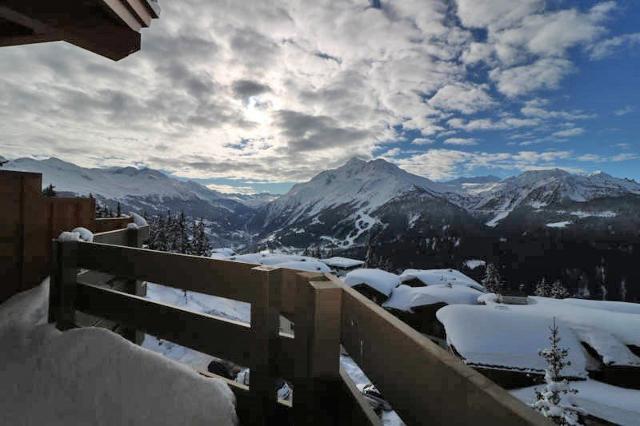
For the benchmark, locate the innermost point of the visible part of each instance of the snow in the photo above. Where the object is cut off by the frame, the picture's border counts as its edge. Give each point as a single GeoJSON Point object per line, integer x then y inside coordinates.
{"type": "Point", "coordinates": [225, 251]}
{"type": "Point", "coordinates": [405, 297]}
{"type": "Point", "coordinates": [93, 376]}
{"type": "Point", "coordinates": [85, 234]}
{"type": "Point", "coordinates": [440, 276]}
{"type": "Point", "coordinates": [113, 183]}
{"type": "Point", "coordinates": [494, 336]}
{"type": "Point", "coordinates": [308, 266]}
{"type": "Point", "coordinates": [620, 307]}
{"type": "Point", "coordinates": [69, 236]}
{"type": "Point", "coordinates": [379, 280]}
{"type": "Point", "coordinates": [562, 224]}
{"type": "Point", "coordinates": [614, 404]}
{"type": "Point", "coordinates": [474, 263]}
{"type": "Point", "coordinates": [608, 332]}
{"type": "Point", "coordinates": [138, 220]}
{"type": "Point", "coordinates": [342, 262]}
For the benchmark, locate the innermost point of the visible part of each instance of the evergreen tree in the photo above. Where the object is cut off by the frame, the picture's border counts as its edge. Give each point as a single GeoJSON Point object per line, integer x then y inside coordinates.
{"type": "Point", "coordinates": [118, 210]}
{"type": "Point", "coordinates": [552, 401]}
{"type": "Point", "coordinates": [49, 191]}
{"type": "Point", "coordinates": [558, 290]}
{"type": "Point", "coordinates": [492, 281]}
{"type": "Point", "coordinates": [544, 288]}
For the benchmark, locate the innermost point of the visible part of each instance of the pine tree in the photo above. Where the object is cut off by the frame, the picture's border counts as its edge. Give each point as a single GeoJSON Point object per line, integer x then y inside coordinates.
{"type": "Point", "coordinates": [49, 191]}
{"type": "Point", "coordinates": [544, 288]}
{"type": "Point", "coordinates": [492, 281]}
{"type": "Point", "coordinates": [558, 290]}
{"type": "Point", "coordinates": [552, 400]}
{"type": "Point", "coordinates": [118, 210]}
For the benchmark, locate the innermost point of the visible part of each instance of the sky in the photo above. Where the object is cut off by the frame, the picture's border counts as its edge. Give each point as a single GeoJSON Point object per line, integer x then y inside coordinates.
{"type": "Point", "coordinates": [251, 96]}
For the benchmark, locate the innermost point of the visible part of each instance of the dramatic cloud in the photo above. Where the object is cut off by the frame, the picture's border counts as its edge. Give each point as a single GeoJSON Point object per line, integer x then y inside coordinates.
{"type": "Point", "coordinates": [278, 90]}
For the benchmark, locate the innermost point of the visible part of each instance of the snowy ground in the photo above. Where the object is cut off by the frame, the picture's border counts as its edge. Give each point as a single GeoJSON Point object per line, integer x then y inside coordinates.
{"type": "Point", "coordinates": [92, 376]}
{"type": "Point", "coordinates": [617, 405]}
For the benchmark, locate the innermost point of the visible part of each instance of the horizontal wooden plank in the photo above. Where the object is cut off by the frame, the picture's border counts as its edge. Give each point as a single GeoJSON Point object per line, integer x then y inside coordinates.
{"type": "Point", "coordinates": [221, 278]}
{"type": "Point", "coordinates": [215, 336]}
{"type": "Point", "coordinates": [230, 341]}
{"type": "Point", "coordinates": [245, 404]}
{"type": "Point", "coordinates": [400, 362]}
{"type": "Point", "coordinates": [353, 406]}
{"type": "Point", "coordinates": [117, 237]}
{"type": "Point", "coordinates": [120, 237]}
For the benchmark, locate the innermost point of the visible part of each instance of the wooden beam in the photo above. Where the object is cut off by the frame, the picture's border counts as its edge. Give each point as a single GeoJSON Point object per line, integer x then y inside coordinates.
{"type": "Point", "coordinates": [317, 359]}
{"type": "Point", "coordinates": [353, 407]}
{"type": "Point", "coordinates": [24, 20]}
{"type": "Point", "coordinates": [204, 333]}
{"type": "Point", "coordinates": [175, 324]}
{"type": "Point", "coordinates": [265, 323]}
{"type": "Point", "coordinates": [396, 358]}
{"type": "Point", "coordinates": [123, 11]}
{"type": "Point", "coordinates": [221, 278]}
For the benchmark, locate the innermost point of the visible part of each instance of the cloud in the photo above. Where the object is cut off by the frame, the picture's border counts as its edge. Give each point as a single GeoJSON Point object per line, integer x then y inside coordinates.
{"type": "Point", "coordinates": [543, 74]}
{"type": "Point", "coordinates": [231, 189]}
{"type": "Point", "coordinates": [609, 46]}
{"type": "Point", "coordinates": [422, 141]}
{"type": "Point", "coordinates": [441, 164]}
{"type": "Point", "coordinates": [461, 141]}
{"type": "Point", "coordinates": [466, 98]}
{"type": "Point", "coordinates": [247, 88]}
{"type": "Point", "coordinates": [624, 111]}
{"type": "Point", "coordinates": [279, 90]}
{"type": "Point", "coordinates": [568, 133]}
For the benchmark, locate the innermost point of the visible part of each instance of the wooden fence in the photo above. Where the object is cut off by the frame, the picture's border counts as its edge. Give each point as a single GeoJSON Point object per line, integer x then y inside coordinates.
{"type": "Point", "coordinates": [28, 223]}
{"type": "Point", "coordinates": [425, 384]}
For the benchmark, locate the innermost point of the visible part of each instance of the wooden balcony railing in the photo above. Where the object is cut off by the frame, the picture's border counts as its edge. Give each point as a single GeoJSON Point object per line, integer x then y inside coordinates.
{"type": "Point", "coordinates": [423, 383]}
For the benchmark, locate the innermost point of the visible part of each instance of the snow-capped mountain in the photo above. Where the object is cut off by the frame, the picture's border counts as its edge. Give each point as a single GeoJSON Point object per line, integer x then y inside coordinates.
{"type": "Point", "coordinates": [340, 206]}
{"type": "Point", "coordinates": [141, 190]}
{"type": "Point", "coordinates": [545, 190]}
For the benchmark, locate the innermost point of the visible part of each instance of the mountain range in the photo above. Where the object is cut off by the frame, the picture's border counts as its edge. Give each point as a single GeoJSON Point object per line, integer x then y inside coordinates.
{"type": "Point", "coordinates": [343, 207]}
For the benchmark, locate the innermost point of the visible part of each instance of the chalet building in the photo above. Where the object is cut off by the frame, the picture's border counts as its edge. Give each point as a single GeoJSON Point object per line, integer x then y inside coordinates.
{"type": "Point", "coordinates": [502, 341]}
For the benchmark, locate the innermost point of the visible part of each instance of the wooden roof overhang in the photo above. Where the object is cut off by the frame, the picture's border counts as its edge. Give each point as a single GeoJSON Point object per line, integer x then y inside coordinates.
{"type": "Point", "coordinates": [110, 28]}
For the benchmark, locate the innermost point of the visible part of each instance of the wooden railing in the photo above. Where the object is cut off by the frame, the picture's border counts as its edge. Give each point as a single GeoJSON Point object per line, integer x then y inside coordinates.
{"type": "Point", "coordinates": [423, 383]}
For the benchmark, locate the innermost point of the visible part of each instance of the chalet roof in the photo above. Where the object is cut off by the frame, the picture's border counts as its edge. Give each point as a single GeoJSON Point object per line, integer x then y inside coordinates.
{"type": "Point", "coordinates": [110, 28]}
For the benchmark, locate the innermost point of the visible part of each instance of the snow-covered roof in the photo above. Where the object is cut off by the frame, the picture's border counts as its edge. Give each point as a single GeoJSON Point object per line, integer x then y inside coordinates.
{"type": "Point", "coordinates": [474, 263]}
{"type": "Point", "coordinates": [93, 376]}
{"type": "Point", "coordinates": [440, 276]}
{"type": "Point", "coordinates": [381, 281]}
{"type": "Point", "coordinates": [606, 331]}
{"type": "Point", "coordinates": [621, 307]}
{"type": "Point", "coordinates": [308, 265]}
{"type": "Point", "coordinates": [342, 262]}
{"type": "Point", "coordinates": [405, 297]}
{"type": "Point", "coordinates": [496, 336]}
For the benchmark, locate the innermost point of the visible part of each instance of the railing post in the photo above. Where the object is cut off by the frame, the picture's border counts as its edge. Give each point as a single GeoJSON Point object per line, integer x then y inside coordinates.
{"type": "Point", "coordinates": [317, 342]}
{"type": "Point", "coordinates": [132, 286]}
{"type": "Point", "coordinates": [63, 287]}
{"type": "Point", "coordinates": [265, 325]}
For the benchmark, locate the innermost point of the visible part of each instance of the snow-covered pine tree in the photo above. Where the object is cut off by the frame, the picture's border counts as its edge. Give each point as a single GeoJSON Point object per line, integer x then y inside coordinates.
{"type": "Point", "coordinates": [623, 290]}
{"type": "Point", "coordinates": [543, 288]}
{"type": "Point", "coordinates": [492, 280]}
{"type": "Point", "coordinates": [558, 290]}
{"type": "Point", "coordinates": [200, 245]}
{"type": "Point", "coordinates": [553, 400]}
